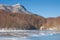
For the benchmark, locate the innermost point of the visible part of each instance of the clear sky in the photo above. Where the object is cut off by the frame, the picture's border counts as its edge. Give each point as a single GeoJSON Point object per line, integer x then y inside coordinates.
{"type": "Point", "coordinates": [46, 8]}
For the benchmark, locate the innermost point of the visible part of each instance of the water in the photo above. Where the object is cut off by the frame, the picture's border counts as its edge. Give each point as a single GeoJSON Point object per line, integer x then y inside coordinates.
{"type": "Point", "coordinates": [35, 35]}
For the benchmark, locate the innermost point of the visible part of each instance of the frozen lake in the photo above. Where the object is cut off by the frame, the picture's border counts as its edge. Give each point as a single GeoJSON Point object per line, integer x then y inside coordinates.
{"type": "Point", "coordinates": [29, 35]}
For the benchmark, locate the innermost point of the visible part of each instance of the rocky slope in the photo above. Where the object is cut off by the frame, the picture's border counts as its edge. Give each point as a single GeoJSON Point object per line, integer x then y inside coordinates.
{"type": "Point", "coordinates": [20, 19]}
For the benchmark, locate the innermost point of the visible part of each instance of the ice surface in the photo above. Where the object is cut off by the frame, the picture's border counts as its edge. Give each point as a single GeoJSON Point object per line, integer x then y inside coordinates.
{"type": "Point", "coordinates": [28, 35]}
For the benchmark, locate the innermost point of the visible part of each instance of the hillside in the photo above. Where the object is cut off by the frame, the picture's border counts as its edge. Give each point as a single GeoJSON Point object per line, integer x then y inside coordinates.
{"type": "Point", "coordinates": [17, 17]}
{"type": "Point", "coordinates": [23, 21]}
{"type": "Point", "coordinates": [51, 24]}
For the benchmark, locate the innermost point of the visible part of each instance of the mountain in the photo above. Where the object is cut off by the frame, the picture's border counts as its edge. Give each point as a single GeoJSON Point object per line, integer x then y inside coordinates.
{"type": "Point", "coordinates": [17, 17]}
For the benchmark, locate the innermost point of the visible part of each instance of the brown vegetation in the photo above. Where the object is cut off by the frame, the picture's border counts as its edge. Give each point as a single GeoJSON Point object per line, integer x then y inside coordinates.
{"type": "Point", "coordinates": [25, 21]}
{"type": "Point", "coordinates": [20, 20]}
{"type": "Point", "coordinates": [52, 24]}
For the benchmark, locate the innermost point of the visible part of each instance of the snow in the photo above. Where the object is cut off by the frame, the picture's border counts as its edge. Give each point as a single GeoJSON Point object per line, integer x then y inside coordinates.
{"type": "Point", "coordinates": [13, 8]}
{"type": "Point", "coordinates": [2, 7]}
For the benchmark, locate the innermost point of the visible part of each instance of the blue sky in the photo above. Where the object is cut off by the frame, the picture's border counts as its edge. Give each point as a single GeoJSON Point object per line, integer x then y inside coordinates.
{"type": "Point", "coordinates": [46, 8]}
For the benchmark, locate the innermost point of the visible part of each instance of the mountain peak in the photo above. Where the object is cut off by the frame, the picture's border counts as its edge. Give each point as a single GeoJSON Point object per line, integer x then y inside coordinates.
{"type": "Point", "coordinates": [16, 4]}
{"type": "Point", "coordinates": [18, 7]}
{"type": "Point", "coordinates": [13, 8]}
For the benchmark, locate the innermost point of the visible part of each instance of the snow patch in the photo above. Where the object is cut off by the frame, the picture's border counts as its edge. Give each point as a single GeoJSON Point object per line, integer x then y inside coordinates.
{"type": "Point", "coordinates": [13, 8]}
